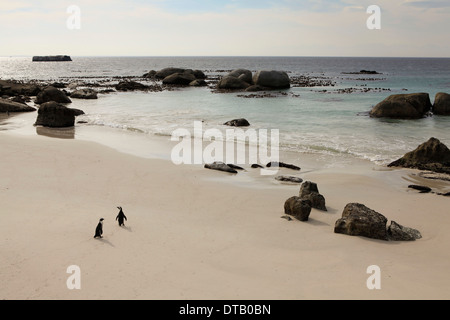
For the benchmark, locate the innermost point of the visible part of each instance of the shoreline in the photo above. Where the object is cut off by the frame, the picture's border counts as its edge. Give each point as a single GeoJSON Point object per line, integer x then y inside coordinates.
{"type": "Point", "coordinates": [194, 233]}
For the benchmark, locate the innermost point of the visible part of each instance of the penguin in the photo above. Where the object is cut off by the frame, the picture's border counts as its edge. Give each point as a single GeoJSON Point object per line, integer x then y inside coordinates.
{"type": "Point", "coordinates": [99, 229]}
{"type": "Point", "coordinates": [121, 216]}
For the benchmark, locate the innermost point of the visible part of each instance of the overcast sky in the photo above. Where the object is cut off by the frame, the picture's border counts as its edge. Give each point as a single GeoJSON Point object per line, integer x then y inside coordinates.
{"type": "Point", "coordinates": [409, 28]}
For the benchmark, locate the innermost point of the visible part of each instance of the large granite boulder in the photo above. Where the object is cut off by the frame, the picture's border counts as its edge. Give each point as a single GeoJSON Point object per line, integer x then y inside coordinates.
{"type": "Point", "coordinates": [55, 115]}
{"type": "Point", "coordinates": [52, 94]}
{"type": "Point", "coordinates": [298, 208]}
{"type": "Point", "coordinates": [161, 74]}
{"type": "Point", "coordinates": [232, 83]}
{"type": "Point", "coordinates": [442, 104]}
{"type": "Point", "coordinates": [358, 220]}
{"type": "Point", "coordinates": [403, 106]}
{"type": "Point", "coordinates": [84, 94]}
{"type": "Point", "coordinates": [11, 106]}
{"type": "Point", "coordinates": [309, 191]}
{"type": "Point", "coordinates": [243, 74]}
{"type": "Point", "coordinates": [181, 79]}
{"type": "Point", "coordinates": [272, 79]}
{"type": "Point", "coordinates": [432, 155]}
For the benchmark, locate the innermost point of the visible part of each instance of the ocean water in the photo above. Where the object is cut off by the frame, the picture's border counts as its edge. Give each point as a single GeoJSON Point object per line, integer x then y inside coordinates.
{"type": "Point", "coordinates": [330, 118]}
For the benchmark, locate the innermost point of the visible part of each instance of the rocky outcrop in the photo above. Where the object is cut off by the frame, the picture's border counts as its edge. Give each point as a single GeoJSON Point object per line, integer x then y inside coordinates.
{"type": "Point", "coordinates": [272, 79]}
{"type": "Point", "coordinates": [130, 86]}
{"type": "Point", "coordinates": [431, 155]}
{"type": "Point", "coordinates": [309, 191]}
{"type": "Point", "coordinates": [84, 94]}
{"type": "Point", "coordinates": [220, 166]}
{"type": "Point", "coordinates": [11, 106]}
{"type": "Point", "coordinates": [298, 208]}
{"type": "Point", "coordinates": [55, 115]}
{"type": "Point", "coordinates": [181, 79]}
{"type": "Point", "coordinates": [232, 83]}
{"type": "Point", "coordinates": [403, 106]}
{"type": "Point", "coordinates": [52, 94]}
{"type": "Point", "coordinates": [14, 88]}
{"type": "Point", "coordinates": [442, 104]}
{"type": "Point", "coordinates": [359, 220]}
{"type": "Point", "coordinates": [59, 58]}
{"type": "Point", "coordinates": [164, 73]}
{"type": "Point", "coordinates": [242, 74]}
{"type": "Point", "coordinates": [237, 123]}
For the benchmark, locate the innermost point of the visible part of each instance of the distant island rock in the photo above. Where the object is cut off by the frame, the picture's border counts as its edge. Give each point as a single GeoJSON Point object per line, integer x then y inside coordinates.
{"type": "Point", "coordinates": [51, 58]}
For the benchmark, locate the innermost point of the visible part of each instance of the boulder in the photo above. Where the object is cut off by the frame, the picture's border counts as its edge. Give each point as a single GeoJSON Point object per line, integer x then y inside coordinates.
{"type": "Point", "coordinates": [84, 94]}
{"type": "Point", "coordinates": [275, 164]}
{"type": "Point", "coordinates": [52, 94]}
{"type": "Point", "coordinates": [422, 189]}
{"type": "Point", "coordinates": [243, 74]}
{"type": "Point", "coordinates": [232, 83]}
{"type": "Point", "coordinates": [151, 74]}
{"type": "Point", "coordinates": [182, 79]}
{"type": "Point", "coordinates": [272, 79]}
{"type": "Point", "coordinates": [167, 72]}
{"type": "Point", "coordinates": [403, 106]}
{"type": "Point", "coordinates": [237, 123]}
{"type": "Point", "coordinates": [442, 104]}
{"type": "Point", "coordinates": [220, 166]}
{"type": "Point", "coordinates": [11, 106]}
{"type": "Point", "coordinates": [397, 232]}
{"type": "Point", "coordinates": [198, 83]}
{"type": "Point", "coordinates": [359, 220]}
{"type": "Point", "coordinates": [289, 179]}
{"type": "Point", "coordinates": [432, 155]}
{"type": "Point", "coordinates": [14, 88]}
{"type": "Point", "coordinates": [130, 86]}
{"type": "Point", "coordinates": [51, 58]}
{"type": "Point", "coordinates": [298, 208]}
{"type": "Point", "coordinates": [309, 191]}
{"type": "Point", "coordinates": [55, 115]}
{"type": "Point", "coordinates": [198, 74]}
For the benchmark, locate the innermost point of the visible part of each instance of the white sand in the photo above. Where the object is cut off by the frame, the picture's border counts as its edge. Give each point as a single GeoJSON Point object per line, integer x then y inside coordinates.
{"type": "Point", "coordinates": [193, 233]}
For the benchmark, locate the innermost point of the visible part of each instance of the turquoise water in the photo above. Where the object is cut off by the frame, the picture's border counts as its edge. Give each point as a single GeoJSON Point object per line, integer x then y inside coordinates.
{"type": "Point", "coordinates": [309, 119]}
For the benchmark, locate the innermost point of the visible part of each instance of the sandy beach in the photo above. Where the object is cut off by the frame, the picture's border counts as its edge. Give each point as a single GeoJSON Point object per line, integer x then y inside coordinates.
{"type": "Point", "coordinates": [194, 233]}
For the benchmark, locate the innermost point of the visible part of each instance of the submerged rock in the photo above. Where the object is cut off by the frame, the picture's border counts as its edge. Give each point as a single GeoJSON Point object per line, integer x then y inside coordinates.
{"type": "Point", "coordinates": [289, 179]}
{"type": "Point", "coordinates": [84, 94]}
{"type": "Point", "coordinates": [220, 166]}
{"type": "Point", "coordinates": [275, 164]}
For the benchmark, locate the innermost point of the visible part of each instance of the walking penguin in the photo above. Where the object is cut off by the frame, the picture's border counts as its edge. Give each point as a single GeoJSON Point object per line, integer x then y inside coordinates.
{"type": "Point", "coordinates": [99, 229]}
{"type": "Point", "coordinates": [120, 217]}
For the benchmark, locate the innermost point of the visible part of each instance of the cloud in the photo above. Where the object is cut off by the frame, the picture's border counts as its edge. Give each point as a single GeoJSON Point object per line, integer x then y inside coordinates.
{"type": "Point", "coordinates": [428, 4]}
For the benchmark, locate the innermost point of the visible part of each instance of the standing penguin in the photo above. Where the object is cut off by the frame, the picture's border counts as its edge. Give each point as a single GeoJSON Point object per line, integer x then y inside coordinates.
{"type": "Point", "coordinates": [121, 216]}
{"type": "Point", "coordinates": [99, 229]}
